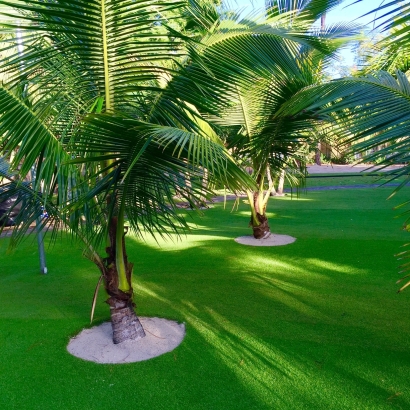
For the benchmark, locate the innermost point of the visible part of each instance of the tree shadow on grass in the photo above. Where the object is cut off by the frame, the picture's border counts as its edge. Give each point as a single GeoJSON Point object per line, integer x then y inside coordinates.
{"type": "Point", "coordinates": [311, 325]}
{"type": "Point", "coordinates": [270, 323]}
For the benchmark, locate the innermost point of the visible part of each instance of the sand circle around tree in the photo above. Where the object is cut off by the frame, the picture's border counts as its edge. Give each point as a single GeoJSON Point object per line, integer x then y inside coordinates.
{"type": "Point", "coordinates": [96, 345]}
{"type": "Point", "coordinates": [272, 240]}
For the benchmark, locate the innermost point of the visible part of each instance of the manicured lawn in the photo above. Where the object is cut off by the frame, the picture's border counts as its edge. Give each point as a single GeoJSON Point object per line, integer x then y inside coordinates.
{"type": "Point", "coordinates": [312, 325]}
{"type": "Point", "coordinates": [344, 179]}
{"type": "Point", "coordinates": [350, 179]}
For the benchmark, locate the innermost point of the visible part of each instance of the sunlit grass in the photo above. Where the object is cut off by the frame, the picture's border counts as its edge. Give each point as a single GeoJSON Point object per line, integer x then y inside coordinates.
{"type": "Point", "coordinates": [313, 325]}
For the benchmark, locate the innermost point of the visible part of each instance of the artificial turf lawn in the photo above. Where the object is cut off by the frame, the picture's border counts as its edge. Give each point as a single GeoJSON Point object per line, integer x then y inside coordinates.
{"type": "Point", "coordinates": [352, 179]}
{"type": "Point", "coordinates": [312, 325]}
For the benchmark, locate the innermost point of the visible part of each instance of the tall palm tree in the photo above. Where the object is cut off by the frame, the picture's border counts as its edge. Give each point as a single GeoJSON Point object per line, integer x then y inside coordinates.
{"type": "Point", "coordinates": [89, 101]}
{"type": "Point", "coordinates": [260, 138]}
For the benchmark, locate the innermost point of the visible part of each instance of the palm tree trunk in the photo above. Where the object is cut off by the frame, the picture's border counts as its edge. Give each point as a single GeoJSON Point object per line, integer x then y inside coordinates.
{"type": "Point", "coordinates": [117, 281]}
{"type": "Point", "coordinates": [271, 183]}
{"type": "Point", "coordinates": [258, 201]}
{"type": "Point", "coordinates": [317, 154]}
{"type": "Point", "coordinates": [281, 183]}
{"type": "Point", "coordinates": [262, 229]}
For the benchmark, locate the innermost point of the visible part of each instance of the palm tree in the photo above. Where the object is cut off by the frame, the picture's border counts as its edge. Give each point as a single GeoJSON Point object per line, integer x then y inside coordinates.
{"type": "Point", "coordinates": [259, 137]}
{"type": "Point", "coordinates": [89, 102]}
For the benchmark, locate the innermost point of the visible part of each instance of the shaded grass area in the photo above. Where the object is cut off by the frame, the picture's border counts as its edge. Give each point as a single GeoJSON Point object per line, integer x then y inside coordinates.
{"type": "Point", "coordinates": [312, 325]}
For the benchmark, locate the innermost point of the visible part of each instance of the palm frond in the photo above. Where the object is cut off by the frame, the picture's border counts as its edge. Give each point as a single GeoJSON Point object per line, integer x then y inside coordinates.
{"type": "Point", "coordinates": [303, 9]}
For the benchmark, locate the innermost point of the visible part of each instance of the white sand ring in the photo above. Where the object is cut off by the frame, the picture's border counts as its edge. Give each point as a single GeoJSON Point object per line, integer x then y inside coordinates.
{"type": "Point", "coordinates": [96, 344]}
{"type": "Point", "coordinates": [272, 240]}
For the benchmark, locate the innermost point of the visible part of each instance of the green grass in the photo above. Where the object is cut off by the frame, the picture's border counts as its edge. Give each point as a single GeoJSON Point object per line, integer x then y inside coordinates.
{"type": "Point", "coordinates": [349, 179]}
{"type": "Point", "coordinates": [313, 325]}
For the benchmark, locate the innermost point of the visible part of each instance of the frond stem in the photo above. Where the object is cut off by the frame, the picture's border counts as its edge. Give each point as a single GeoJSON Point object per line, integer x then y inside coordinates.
{"type": "Point", "coordinates": [108, 106]}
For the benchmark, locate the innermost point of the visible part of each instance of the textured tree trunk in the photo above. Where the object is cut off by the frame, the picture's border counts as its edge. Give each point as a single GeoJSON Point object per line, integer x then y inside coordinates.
{"type": "Point", "coordinates": [259, 221]}
{"type": "Point", "coordinates": [261, 231]}
{"type": "Point", "coordinates": [125, 323]}
{"type": "Point", "coordinates": [317, 154]}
